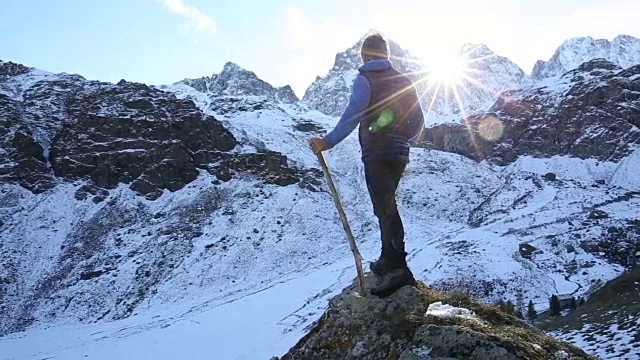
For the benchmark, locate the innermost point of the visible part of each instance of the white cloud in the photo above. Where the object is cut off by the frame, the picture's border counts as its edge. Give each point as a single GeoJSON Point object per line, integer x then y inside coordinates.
{"type": "Point", "coordinates": [198, 19]}
{"type": "Point", "coordinates": [314, 45]}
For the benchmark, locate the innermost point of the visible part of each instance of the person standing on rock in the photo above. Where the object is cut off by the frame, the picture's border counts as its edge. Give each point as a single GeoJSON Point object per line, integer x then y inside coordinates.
{"type": "Point", "coordinates": [385, 105]}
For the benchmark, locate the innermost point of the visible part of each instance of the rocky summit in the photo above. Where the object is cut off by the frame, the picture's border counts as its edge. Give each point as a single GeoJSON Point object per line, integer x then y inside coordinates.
{"type": "Point", "coordinates": [418, 323]}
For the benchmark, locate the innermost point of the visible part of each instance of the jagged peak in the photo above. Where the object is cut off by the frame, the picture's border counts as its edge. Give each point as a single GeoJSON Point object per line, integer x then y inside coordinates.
{"type": "Point", "coordinates": [370, 32]}
{"type": "Point", "coordinates": [589, 40]}
{"type": "Point", "coordinates": [625, 38]}
{"type": "Point", "coordinates": [623, 50]}
{"type": "Point", "coordinates": [285, 88]}
{"type": "Point", "coordinates": [473, 50]}
{"type": "Point", "coordinates": [11, 68]}
{"type": "Point", "coordinates": [231, 66]}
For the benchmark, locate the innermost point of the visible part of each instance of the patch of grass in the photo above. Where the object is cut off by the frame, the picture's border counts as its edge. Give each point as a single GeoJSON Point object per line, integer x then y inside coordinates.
{"type": "Point", "coordinates": [502, 328]}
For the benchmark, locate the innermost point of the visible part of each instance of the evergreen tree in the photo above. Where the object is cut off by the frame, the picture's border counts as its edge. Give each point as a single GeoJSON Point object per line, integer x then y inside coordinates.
{"type": "Point", "coordinates": [519, 301]}
{"type": "Point", "coordinates": [554, 306]}
{"type": "Point", "coordinates": [531, 312]}
{"type": "Point", "coordinates": [573, 304]}
{"type": "Point", "coordinates": [500, 304]}
{"type": "Point", "coordinates": [510, 308]}
{"type": "Point", "coordinates": [581, 302]}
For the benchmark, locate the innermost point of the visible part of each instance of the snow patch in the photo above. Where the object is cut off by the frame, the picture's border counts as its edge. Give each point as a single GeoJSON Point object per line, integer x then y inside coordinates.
{"type": "Point", "coordinates": [626, 175]}
{"type": "Point", "coordinates": [565, 167]}
{"type": "Point", "coordinates": [441, 310]}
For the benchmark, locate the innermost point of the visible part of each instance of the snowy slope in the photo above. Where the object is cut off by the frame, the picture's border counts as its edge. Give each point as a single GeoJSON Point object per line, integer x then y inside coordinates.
{"type": "Point", "coordinates": [293, 278]}
{"type": "Point", "coordinates": [607, 324]}
{"type": "Point", "coordinates": [606, 341]}
{"type": "Point", "coordinates": [623, 50]}
{"type": "Point", "coordinates": [246, 265]}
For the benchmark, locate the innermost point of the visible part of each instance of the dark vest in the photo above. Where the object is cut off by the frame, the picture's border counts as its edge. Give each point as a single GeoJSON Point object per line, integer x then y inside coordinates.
{"type": "Point", "coordinates": [382, 131]}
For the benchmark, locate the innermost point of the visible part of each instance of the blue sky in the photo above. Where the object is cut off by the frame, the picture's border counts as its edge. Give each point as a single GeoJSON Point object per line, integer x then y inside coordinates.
{"type": "Point", "coordinates": [284, 42]}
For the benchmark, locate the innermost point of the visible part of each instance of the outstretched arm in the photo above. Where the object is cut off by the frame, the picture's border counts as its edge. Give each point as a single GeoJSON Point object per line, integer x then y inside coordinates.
{"type": "Point", "coordinates": [360, 97]}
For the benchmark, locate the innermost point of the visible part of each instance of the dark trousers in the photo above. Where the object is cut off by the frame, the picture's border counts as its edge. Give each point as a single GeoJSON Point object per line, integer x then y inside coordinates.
{"type": "Point", "coordinates": [382, 179]}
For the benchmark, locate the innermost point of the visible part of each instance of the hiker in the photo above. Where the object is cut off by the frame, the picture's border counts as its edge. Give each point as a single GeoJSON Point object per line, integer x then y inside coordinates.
{"type": "Point", "coordinates": [385, 105]}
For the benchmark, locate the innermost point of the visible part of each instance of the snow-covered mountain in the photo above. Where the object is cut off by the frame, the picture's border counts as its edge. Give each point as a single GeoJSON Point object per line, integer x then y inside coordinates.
{"type": "Point", "coordinates": [236, 81]}
{"type": "Point", "coordinates": [330, 94]}
{"type": "Point", "coordinates": [173, 218]}
{"type": "Point", "coordinates": [623, 50]}
{"type": "Point", "coordinates": [592, 112]}
{"type": "Point", "coordinates": [485, 77]}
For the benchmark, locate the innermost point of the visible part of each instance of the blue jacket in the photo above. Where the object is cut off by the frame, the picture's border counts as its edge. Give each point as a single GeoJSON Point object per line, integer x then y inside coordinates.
{"type": "Point", "coordinates": [360, 102]}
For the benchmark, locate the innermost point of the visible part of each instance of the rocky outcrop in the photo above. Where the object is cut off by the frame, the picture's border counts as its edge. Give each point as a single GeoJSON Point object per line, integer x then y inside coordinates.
{"type": "Point", "coordinates": [590, 112]}
{"type": "Point", "coordinates": [419, 323]}
{"type": "Point", "coordinates": [10, 68]}
{"type": "Point", "coordinates": [147, 139]}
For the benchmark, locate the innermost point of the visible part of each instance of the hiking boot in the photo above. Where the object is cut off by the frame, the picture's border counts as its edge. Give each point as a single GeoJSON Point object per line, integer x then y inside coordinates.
{"type": "Point", "coordinates": [393, 281]}
{"type": "Point", "coordinates": [378, 267]}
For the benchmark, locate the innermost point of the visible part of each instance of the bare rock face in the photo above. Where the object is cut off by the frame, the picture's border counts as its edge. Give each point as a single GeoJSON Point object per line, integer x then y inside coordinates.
{"type": "Point", "coordinates": [21, 157]}
{"type": "Point", "coordinates": [11, 68]}
{"type": "Point", "coordinates": [149, 139]}
{"type": "Point", "coordinates": [403, 327]}
{"type": "Point", "coordinates": [590, 112]}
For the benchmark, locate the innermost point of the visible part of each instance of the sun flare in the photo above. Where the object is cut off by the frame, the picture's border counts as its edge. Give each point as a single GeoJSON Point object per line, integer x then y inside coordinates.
{"type": "Point", "coordinates": [447, 70]}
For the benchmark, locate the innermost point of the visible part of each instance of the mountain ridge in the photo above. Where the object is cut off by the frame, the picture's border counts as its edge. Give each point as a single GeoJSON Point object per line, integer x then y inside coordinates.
{"type": "Point", "coordinates": [234, 80]}
{"type": "Point", "coordinates": [622, 50]}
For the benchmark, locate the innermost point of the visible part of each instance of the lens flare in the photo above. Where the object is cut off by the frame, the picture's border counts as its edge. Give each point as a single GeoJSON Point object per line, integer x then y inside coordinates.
{"type": "Point", "coordinates": [491, 128]}
{"type": "Point", "coordinates": [385, 118]}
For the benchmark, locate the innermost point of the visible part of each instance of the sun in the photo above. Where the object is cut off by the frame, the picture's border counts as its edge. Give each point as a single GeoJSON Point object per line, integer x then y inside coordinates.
{"type": "Point", "coordinates": [447, 70]}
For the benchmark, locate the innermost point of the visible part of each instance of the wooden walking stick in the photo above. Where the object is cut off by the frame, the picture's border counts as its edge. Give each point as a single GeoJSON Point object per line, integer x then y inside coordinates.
{"type": "Point", "coordinates": [345, 224]}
